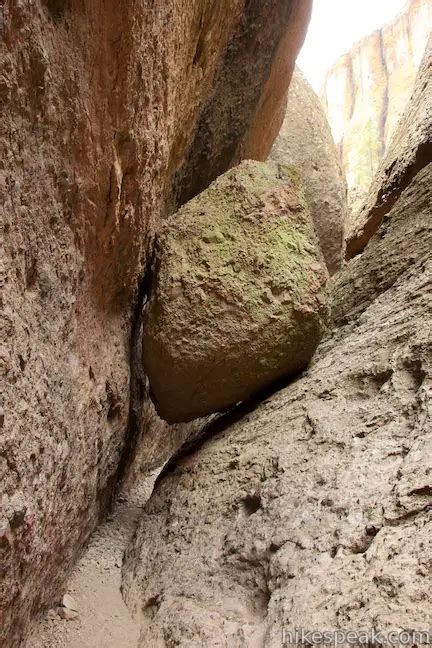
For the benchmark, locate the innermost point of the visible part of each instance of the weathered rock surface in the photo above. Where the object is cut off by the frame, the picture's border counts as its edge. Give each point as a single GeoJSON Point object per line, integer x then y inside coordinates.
{"type": "Point", "coordinates": [102, 105]}
{"type": "Point", "coordinates": [316, 157]}
{"type": "Point", "coordinates": [312, 509]}
{"type": "Point", "coordinates": [410, 150]}
{"type": "Point", "coordinates": [270, 111]}
{"type": "Point", "coordinates": [239, 296]}
{"type": "Point", "coordinates": [366, 92]}
{"type": "Point", "coordinates": [410, 218]}
{"type": "Point", "coordinates": [243, 111]}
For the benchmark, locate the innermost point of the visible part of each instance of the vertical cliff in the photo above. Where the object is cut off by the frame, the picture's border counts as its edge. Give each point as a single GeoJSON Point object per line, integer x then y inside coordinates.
{"type": "Point", "coordinates": [413, 136]}
{"type": "Point", "coordinates": [367, 89]}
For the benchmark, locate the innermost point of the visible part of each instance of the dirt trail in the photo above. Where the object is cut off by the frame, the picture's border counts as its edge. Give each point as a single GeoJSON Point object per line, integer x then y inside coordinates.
{"type": "Point", "coordinates": [104, 620]}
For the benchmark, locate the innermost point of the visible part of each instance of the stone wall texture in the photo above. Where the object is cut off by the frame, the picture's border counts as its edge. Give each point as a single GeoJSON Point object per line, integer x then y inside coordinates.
{"type": "Point", "coordinates": [312, 507]}
{"type": "Point", "coordinates": [107, 111]}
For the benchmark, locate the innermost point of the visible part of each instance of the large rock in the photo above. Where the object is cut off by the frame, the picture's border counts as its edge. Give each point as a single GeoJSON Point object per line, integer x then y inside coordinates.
{"type": "Point", "coordinates": [270, 111]}
{"type": "Point", "coordinates": [410, 150]}
{"type": "Point", "coordinates": [367, 89]}
{"type": "Point", "coordinates": [102, 105]}
{"type": "Point", "coordinates": [305, 140]}
{"type": "Point", "coordinates": [313, 509]}
{"type": "Point", "coordinates": [239, 293]}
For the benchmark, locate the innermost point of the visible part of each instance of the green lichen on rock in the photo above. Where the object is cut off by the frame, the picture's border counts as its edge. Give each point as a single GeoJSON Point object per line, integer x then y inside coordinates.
{"type": "Point", "coordinates": [239, 295]}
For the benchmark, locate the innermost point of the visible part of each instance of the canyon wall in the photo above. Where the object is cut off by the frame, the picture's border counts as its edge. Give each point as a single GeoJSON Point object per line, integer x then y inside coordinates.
{"type": "Point", "coordinates": [413, 136]}
{"type": "Point", "coordinates": [367, 89]}
{"type": "Point", "coordinates": [111, 112]}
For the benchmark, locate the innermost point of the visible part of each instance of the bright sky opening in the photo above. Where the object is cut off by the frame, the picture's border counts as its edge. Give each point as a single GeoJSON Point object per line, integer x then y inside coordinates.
{"type": "Point", "coordinates": [335, 26]}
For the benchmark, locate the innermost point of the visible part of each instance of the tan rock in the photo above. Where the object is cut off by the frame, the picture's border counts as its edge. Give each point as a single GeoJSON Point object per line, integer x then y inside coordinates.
{"type": "Point", "coordinates": [242, 115]}
{"type": "Point", "coordinates": [270, 111]}
{"type": "Point", "coordinates": [69, 602]}
{"type": "Point", "coordinates": [67, 614]}
{"type": "Point", "coordinates": [305, 140]}
{"type": "Point", "coordinates": [313, 508]}
{"type": "Point", "coordinates": [364, 278]}
{"type": "Point", "coordinates": [239, 296]}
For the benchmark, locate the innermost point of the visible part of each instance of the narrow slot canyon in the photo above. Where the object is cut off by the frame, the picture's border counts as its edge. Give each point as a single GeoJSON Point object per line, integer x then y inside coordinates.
{"type": "Point", "coordinates": [216, 355]}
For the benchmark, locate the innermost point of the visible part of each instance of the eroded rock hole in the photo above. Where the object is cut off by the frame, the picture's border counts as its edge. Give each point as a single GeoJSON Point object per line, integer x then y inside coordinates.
{"type": "Point", "coordinates": [56, 9]}
{"type": "Point", "coordinates": [251, 504]}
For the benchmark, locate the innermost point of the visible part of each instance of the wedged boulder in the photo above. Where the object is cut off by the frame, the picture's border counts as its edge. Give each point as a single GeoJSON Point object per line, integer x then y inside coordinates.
{"type": "Point", "coordinates": [305, 140]}
{"type": "Point", "coordinates": [239, 296]}
{"type": "Point", "coordinates": [409, 151]}
{"type": "Point", "coordinates": [312, 509]}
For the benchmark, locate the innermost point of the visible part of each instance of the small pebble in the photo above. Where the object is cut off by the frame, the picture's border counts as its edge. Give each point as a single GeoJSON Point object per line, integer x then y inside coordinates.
{"type": "Point", "coordinates": [66, 614]}
{"type": "Point", "coordinates": [69, 602]}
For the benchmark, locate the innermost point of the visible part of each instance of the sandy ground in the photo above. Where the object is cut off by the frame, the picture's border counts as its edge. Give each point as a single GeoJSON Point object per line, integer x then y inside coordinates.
{"type": "Point", "coordinates": [103, 620]}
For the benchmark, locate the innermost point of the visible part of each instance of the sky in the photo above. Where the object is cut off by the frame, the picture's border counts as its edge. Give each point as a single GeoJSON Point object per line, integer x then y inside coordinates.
{"type": "Point", "coordinates": [335, 26]}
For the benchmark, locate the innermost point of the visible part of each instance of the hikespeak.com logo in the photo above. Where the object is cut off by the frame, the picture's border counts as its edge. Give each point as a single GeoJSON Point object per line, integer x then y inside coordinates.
{"type": "Point", "coordinates": [367, 638]}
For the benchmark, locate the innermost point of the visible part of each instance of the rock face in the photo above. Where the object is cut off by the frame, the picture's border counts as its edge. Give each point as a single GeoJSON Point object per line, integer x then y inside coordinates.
{"type": "Point", "coordinates": [313, 509]}
{"type": "Point", "coordinates": [239, 293]}
{"type": "Point", "coordinates": [367, 89]}
{"type": "Point", "coordinates": [412, 214]}
{"type": "Point", "coordinates": [270, 112]}
{"type": "Point", "coordinates": [316, 157]}
{"type": "Point", "coordinates": [243, 111]}
{"type": "Point", "coordinates": [409, 151]}
{"type": "Point", "coordinates": [104, 111]}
